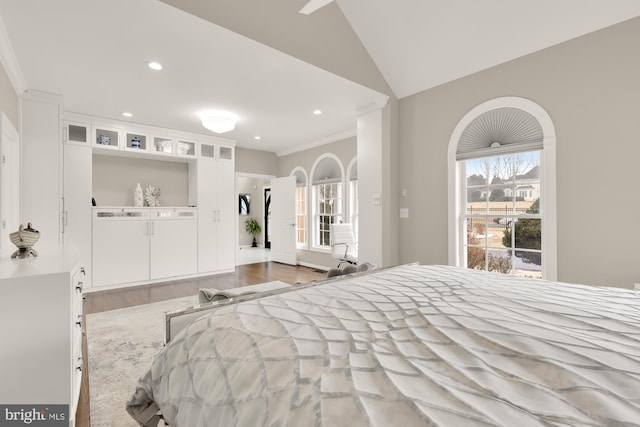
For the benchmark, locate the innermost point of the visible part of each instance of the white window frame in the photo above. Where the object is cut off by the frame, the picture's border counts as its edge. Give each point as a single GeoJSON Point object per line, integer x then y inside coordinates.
{"type": "Point", "coordinates": [314, 224]}
{"type": "Point", "coordinates": [306, 214]}
{"type": "Point", "coordinates": [352, 198]}
{"type": "Point", "coordinates": [548, 204]}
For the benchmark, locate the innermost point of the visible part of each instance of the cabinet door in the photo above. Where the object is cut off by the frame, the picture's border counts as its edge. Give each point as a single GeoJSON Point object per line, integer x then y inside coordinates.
{"type": "Point", "coordinates": [76, 226]}
{"type": "Point", "coordinates": [173, 248]}
{"type": "Point", "coordinates": [226, 226]}
{"type": "Point", "coordinates": [120, 251]}
{"type": "Point", "coordinates": [207, 215]}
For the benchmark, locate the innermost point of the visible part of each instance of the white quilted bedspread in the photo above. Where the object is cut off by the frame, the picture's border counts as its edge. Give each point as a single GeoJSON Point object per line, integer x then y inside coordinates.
{"type": "Point", "coordinates": [408, 346]}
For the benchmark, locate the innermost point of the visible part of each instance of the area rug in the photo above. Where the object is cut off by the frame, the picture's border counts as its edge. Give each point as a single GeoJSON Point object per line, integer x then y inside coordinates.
{"type": "Point", "coordinates": [121, 345]}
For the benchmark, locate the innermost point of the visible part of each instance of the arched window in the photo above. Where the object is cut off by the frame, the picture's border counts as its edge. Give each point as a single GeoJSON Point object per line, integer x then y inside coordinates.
{"type": "Point", "coordinates": [301, 207]}
{"type": "Point", "coordinates": [327, 188]}
{"type": "Point", "coordinates": [502, 200]}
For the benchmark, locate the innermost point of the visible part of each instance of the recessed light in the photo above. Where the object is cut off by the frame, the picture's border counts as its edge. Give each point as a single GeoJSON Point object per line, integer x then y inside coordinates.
{"type": "Point", "coordinates": [155, 66]}
{"type": "Point", "coordinates": [257, 137]}
{"type": "Point", "coordinates": [317, 112]}
{"type": "Point", "coordinates": [127, 114]}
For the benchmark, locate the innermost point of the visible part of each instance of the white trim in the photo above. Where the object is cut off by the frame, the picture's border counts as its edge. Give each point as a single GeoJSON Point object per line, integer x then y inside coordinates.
{"type": "Point", "coordinates": [10, 62]}
{"type": "Point", "coordinates": [310, 191]}
{"type": "Point", "coordinates": [303, 246]}
{"type": "Point", "coordinates": [548, 203]}
{"type": "Point", "coordinates": [376, 105]}
{"type": "Point", "coordinates": [317, 267]}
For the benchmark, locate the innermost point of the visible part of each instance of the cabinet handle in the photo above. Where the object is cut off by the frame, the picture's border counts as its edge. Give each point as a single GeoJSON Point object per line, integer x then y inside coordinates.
{"type": "Point", "coordinates": [82, 270]}
{"type": "Point", "coordinates": [79, 287]}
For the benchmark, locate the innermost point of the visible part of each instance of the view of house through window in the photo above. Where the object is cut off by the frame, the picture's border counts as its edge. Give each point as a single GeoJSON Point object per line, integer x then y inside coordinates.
{"type": "Point", "coordinates": [502, 214]}
{"type": "Point", "coordinates": [328, 210]}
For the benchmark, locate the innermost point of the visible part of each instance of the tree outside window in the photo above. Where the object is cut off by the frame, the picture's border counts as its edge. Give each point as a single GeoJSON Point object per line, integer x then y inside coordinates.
{"type": "Point", "coordinates": [502, 214]}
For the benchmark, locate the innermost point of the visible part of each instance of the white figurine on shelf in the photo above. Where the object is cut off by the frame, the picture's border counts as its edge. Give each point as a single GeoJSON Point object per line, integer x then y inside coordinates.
{"type": "Point", "coordinates": [152, 195]}
{"type": "Point", "coordinates": [138, 198]}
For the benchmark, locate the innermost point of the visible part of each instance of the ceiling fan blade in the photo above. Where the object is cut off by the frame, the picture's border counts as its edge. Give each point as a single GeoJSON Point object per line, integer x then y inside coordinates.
{"type": "Point", "coordinates": [314, 5]}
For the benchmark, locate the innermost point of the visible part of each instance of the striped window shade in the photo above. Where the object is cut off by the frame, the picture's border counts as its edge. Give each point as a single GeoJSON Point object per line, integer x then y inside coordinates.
{"type": "Point", "coordinates": [503, 130]}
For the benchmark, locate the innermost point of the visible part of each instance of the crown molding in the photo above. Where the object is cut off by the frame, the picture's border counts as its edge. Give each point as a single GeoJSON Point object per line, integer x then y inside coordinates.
{"type": "Point", "coordinates": [10, 62]}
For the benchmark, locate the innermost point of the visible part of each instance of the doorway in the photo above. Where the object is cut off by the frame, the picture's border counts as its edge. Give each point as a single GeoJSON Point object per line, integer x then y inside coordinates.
{"type": "Point", "coordinates": [252, 187]}
{"type": "Point", "coordinates": [267, 218]}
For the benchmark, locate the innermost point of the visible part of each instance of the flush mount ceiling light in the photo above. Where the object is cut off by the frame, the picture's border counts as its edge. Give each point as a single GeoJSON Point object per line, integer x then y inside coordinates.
{"type": "Point", "coordinates": [317, 112]}
{"type": "Point", "coordinates": [155, 66]}
{"type": "Point", "coordinates": [127, 114]}
{"type": "Point", "coordinates": [218, 121]}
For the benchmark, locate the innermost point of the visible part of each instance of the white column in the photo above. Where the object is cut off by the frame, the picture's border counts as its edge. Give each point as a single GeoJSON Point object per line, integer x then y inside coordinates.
{"type": "Point", "coordinates": [370, 190]}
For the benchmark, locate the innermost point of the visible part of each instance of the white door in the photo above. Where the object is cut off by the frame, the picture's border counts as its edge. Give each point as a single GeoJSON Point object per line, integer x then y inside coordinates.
{"type": "Point", "coordinates": [283, 220]}
{"type": "Point", "coordinates": [10, 179]}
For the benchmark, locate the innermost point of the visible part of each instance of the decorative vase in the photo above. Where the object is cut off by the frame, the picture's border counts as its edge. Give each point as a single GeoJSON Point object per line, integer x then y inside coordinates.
{"type": "Point", "coordinates": [135, 142]}
{"type": "Point", "coordinates": [138, 198]}
{"type": "Point", "coordinates": [24, 239]}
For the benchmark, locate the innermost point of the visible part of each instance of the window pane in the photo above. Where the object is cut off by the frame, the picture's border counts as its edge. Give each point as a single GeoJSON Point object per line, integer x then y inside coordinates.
{"type": "Point", "coordinates": [502, 194]}
{"type": "Point", "coordinates": [499, 261]}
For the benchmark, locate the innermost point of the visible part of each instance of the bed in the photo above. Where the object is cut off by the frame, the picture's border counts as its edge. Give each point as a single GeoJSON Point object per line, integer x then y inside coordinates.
{"type": "Point", "coordinates": [406, 346]}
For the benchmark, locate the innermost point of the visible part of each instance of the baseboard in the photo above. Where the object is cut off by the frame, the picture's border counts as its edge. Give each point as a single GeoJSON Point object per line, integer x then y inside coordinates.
{"type": "Point", "coordinates": [317, 267]}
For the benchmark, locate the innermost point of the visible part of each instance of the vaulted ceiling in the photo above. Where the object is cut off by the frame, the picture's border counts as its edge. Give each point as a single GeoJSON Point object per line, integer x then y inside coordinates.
{"type": "Point", "coordinates": [269, 64]}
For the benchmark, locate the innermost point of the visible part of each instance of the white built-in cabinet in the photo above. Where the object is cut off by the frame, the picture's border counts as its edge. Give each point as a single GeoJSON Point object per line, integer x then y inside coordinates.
{"type": "Point", "coordinates": [57, 155]}
{"type": "Point", "coordinates": [144, 244]}
{"type": "Point", "coordinates": [41, 307]}
{"type": "Point", "coordinates": [76, 202]}
{"type": "Point", "coordinates": [216, 202]}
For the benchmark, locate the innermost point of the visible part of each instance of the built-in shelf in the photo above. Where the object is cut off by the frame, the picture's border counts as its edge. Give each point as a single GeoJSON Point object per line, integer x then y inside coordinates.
{"type": "Point", "coordinates": [136, 141]}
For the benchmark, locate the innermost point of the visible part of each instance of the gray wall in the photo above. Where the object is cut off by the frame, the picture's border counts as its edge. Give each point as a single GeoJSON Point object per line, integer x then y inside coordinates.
{"type": "Point", "coordinates": [345, 150]}
{"type": "Point", "coordinates": [8, 98]}
{"type": "Point", "coordinates": [590, 87]}
{"type": "Point", "coordinates": [115, 178]}
{"type": "Point", "coordinates": [256, 161]}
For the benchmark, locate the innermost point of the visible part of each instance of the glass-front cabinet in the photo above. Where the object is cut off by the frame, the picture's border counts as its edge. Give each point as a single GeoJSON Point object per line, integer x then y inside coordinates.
{"type": "Point", "coordinates": [214, 151]}
{"type": "Point", "coordinates": [106, 137]}
{"type": "Point", "coordinates": [77, 133]}
{"type": "Point", "coordinates": [136, 141]}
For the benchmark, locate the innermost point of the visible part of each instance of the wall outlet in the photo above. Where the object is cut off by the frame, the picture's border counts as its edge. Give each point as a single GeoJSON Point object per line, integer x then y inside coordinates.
{"type": "Point", "coordinates": [636, 286]}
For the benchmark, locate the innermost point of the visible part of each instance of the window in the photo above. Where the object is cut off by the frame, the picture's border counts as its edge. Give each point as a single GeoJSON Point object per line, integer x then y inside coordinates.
{"type": "Point", "coordinates": [328, 210]}
{"type": "Point", "coordinates": [502, 212]}
{"type": "Point", "coordinates": [352, 173]}
{"type": "Point", "coordinates": [503, 223]}
{"type": "Point", "coordinates": [327, 187]}
{"type": "Point", "coordinates": [301, 215]}
{"type": "Point", "coordinates": [301, 207]}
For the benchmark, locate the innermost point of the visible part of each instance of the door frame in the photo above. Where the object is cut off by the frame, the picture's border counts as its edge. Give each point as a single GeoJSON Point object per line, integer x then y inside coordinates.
{"type": "Point", "coordinates": [265, 177]}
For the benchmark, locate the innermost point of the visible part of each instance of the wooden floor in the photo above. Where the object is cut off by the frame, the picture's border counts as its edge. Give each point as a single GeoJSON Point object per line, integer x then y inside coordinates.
{"type": "Point", "coordinates": [244, 275]}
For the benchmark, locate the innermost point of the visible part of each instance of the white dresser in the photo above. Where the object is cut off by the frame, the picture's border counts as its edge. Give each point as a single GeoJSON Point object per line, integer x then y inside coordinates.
{"type": "Point", "coordinates": [41, 318]}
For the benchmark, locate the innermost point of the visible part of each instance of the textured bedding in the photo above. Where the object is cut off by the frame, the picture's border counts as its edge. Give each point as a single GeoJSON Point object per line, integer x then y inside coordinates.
{"type": "Point", "coordinates": [407, 346]}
